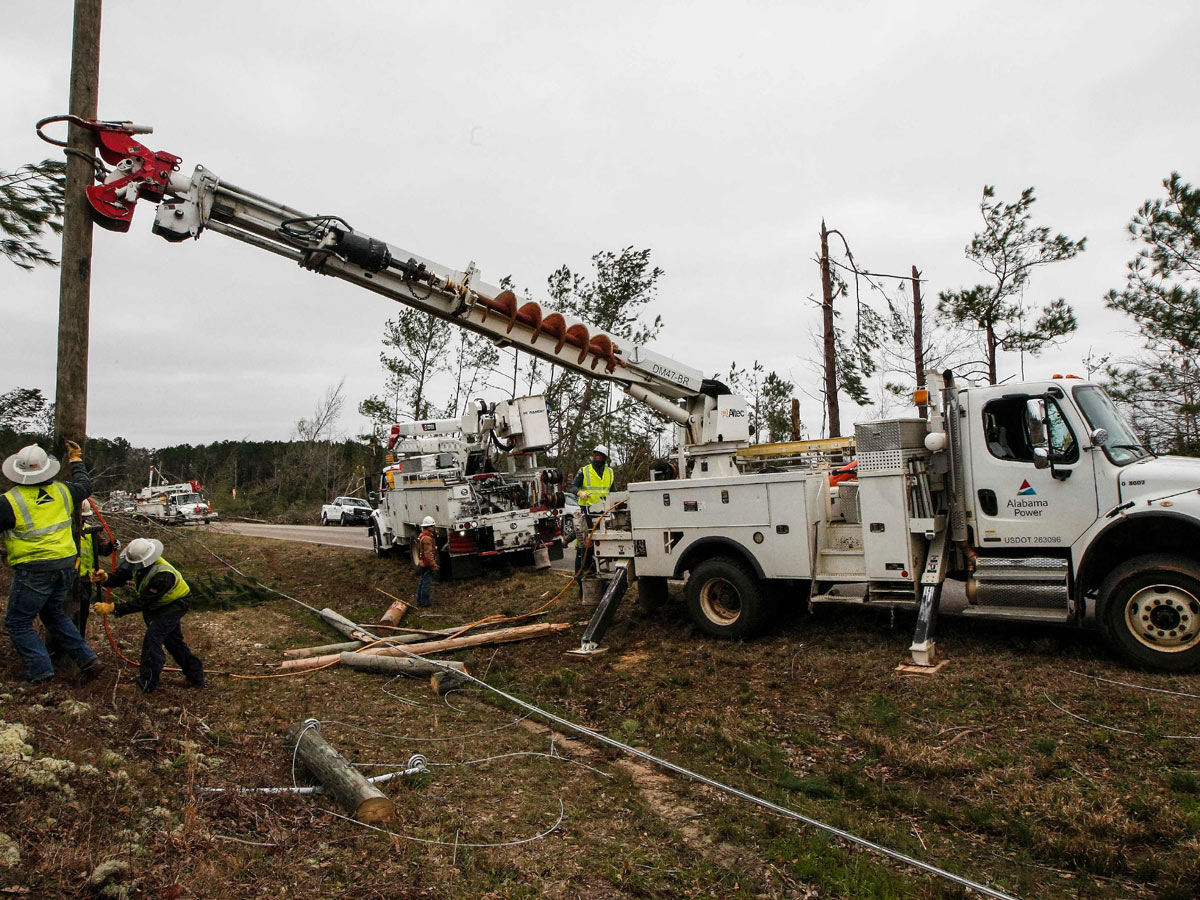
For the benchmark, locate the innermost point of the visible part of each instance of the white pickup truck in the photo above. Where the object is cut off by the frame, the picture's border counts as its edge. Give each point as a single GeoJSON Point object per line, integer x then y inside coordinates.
{"type": "Point", "coordinates": [346, 511]}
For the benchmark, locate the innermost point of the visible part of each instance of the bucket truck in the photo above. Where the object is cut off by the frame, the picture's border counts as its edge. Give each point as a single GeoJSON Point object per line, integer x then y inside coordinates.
{"type": "Point", "coordinates": [1038, 497]}
{"type": "Point", "coordinates": [444, 468]}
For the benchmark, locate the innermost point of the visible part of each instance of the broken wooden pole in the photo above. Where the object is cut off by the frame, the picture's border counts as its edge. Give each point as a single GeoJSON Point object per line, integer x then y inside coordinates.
{"type": "Point", "coordinates": [391, 665]}
{"type": "Point", "coordinates": [501, 636]}
{"type": "Point", "coordinates": [324, 649]}
{"type": "Point", "coordinates": [346, 784]}
{"type": "Point", "coordinates": [340, 623]}
{"type": "Point", "coordinates": [444, 682]}
{"type": "Point", "coordinates": [394, 613]}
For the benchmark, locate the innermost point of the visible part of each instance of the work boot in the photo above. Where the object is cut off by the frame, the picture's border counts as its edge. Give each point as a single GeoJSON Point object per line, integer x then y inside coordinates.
{"type": "Point", "coordinates": [196, 682]}
{"type": "Point", "coordinates": [90, 671]}
{"type": "Point", "coordinates": [144, 686]}
{"type": "Point", "coordinates": [40, 680]}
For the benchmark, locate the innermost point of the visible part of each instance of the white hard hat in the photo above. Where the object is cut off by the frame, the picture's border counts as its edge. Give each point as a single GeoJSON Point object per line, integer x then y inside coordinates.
{"type": "Point", "coordinates": [86, 509]}
{"type": "Point", "coordinates": [30, 465]}
{"type": "Point", "coordinates": [600, 448]}
{"type": "Point", "coordinates": [428, 522]}
{"type": "Point", "coordinates": [142, 552]}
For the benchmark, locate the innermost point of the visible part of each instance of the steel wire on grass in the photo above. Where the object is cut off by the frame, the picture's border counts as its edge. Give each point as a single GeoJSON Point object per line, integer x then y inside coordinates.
{"type": "Point", "coordinates": [1144, 734]}
{"type": "Point", "coordinates": [1136, 687]}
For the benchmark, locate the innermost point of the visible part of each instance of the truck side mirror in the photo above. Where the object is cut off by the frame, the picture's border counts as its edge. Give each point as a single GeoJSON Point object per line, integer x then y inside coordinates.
{"type": "Point", "coordinates": [1041, 457]}
{"type": "Point", "coordinates": [372, 498]}
{"type": "Point", "coordinates": [1035, 422]}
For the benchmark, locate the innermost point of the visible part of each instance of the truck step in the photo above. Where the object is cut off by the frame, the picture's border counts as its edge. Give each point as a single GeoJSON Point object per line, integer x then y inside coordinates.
{"type": "Point", "coordinates": [837, 565]}
{"type": "Point", "coordinates": [1027, 615]}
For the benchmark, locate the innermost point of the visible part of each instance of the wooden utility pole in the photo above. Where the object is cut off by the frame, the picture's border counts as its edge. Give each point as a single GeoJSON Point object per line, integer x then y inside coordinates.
{"type": "Point", "coordinates": [918, 338]}
{"type": "Point", "coordinates": [795, 418]}
{"type": "Point", "coordinates": [75, 280]}
{"type": "Point", "coordinates": [831, 384]}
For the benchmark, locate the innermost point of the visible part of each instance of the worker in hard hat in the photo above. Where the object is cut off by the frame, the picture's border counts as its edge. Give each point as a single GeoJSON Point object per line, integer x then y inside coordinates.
{"type": "Point", "coordinates": [591, 486]}
{"type": "Point", "coordinates": [35, 519]}
{"type": "Point", "coordinates": [94, 544]}
{"type": "Point", "coordinates": [427, 562]}
{"type": "Point", "coordinates": [161, 596]}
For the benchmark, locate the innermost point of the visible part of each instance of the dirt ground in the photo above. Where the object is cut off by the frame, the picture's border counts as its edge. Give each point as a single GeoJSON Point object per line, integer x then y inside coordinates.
{"type": "Point", "coordinates": [1015, 766]}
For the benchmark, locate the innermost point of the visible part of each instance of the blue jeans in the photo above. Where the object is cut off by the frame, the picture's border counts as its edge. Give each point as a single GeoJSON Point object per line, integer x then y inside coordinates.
{"type": "Point", "coordinates": [163, 630]}
{"type": "Point", "coordinates": [425, 588]}
{"type": "Point", "coordinates": [40, 595]}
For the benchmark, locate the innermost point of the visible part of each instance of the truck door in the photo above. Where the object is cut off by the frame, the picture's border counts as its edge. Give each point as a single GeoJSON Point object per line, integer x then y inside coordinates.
{"type": "Point", "coordinates": [1015, 502]}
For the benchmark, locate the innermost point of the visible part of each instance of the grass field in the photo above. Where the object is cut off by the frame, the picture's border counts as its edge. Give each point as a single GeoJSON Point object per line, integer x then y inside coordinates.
{"type": "Point", "coordinates": [975, 769]}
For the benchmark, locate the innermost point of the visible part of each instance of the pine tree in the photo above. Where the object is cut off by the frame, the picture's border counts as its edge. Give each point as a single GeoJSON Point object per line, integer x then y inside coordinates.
{"type": "Point", "coordinates": [31, 203]}
{"type": "Point", "coordinates": [1162, 295]}
{"type": "Point", "coordinates": [1008, 249]}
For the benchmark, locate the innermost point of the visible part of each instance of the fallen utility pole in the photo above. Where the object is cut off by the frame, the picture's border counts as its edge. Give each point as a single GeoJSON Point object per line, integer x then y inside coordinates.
{"type": "Point", "coordinates": [348, 786]}
{"type": "Point", "coordinates": [391, 665]}
{"type": "Point", "coordinates": [500, 636]}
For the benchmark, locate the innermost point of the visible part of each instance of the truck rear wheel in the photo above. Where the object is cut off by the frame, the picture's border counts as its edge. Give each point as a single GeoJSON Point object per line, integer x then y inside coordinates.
{"type": "Point", "coordinates": [1150, 612]}
{"type": "Point", "coordinates": [725, 599]}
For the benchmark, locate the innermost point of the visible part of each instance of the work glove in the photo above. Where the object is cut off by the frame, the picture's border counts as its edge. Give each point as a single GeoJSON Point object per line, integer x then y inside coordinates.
{"type": "Point", "coordinates": [98, 577]}
{"type": "Point", "coordinates": [103, 609]}
{"type": "Point", "coordinates": [74, 452]}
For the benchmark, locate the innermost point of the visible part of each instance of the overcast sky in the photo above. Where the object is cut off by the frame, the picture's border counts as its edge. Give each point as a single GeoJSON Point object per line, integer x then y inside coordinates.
{"type": "Point", "coordinates": [528, 135]}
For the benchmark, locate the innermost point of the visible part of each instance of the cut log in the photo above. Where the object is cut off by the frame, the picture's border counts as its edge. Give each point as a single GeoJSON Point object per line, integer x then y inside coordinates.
{"type": "Point", "coordinates": [346, 784]}
{"type": "Point", "coordinates": [393, 665]}
{"type": "Point", "coordinates": [394, 613]}
{"type": "Point", "coordinates": [339, 622]}
{"type": "Point", "coordinates": [324, 649]}
{"type": "Point", "coordinates": [444, 682]}
{"type": "Point", "coordinates": [501, 636]}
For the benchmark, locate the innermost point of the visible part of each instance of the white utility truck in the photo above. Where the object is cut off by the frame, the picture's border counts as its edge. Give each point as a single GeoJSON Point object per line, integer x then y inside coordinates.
{"type": "Point", "coordinates": [173, 504]}
{"type": "Point", "coordinates": [445, 469]}
{"type": "Point", "coordinates": [1038, 497]}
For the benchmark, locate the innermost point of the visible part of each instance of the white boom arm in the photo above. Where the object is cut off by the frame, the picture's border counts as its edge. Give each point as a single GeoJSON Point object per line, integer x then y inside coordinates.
{"type": "Point", "coordinates": [714, 421]}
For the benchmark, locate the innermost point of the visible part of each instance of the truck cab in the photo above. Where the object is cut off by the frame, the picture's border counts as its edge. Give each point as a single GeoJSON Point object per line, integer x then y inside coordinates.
{"type": "Point", "coordinates": [1072, 518]}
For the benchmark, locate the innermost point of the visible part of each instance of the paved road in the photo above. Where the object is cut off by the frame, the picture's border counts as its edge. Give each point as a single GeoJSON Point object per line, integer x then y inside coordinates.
{"type": "Point", "coordinates": [355, 537]}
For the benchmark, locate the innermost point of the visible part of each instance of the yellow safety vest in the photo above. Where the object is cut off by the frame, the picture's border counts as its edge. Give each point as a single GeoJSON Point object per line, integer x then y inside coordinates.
{"type": "Point", "coordinates": [595, 485]}
{"type": "Point", "coordinates": [87, 556]}
{"type": "Point", "coordinates": [178, 592]}
{"type": "Point", "coordinates": [43, 527]}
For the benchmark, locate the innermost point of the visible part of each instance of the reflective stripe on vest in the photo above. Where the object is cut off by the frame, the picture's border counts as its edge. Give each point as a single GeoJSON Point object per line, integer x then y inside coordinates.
{"type": "Point", "coordinates": [43, 527]}
{"type": "Point", "coordinates": [178, 592]}
{"type": "Point", "coordinates": [595, 485]}
{"type": "Point", "coordinates": [87, 555]}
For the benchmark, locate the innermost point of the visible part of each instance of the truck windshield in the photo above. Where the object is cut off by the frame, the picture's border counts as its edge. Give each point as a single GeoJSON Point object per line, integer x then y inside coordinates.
{"type": "Point", "coordinates": [1122, 445]}
{"type": "Point", "coordinates": [187, 498]}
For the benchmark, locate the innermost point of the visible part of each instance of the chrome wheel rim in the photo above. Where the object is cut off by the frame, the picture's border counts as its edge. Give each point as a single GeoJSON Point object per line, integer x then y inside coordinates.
{"type": "Point", "coordinates": [1164, 617]}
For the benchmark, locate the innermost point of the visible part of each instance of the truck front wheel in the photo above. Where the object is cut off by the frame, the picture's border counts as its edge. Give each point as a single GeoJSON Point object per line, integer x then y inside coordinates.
{"type": "Point", "coordinates": [1150, 612]}
{"type": "Point", "coordinates": [377, 544]}
{"type": "Point", "coordinates": [725, 599]}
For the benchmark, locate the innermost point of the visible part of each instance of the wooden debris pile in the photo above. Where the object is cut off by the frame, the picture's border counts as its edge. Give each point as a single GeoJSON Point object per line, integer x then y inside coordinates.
{"type": "Point", "coordinates": [404, 653]}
